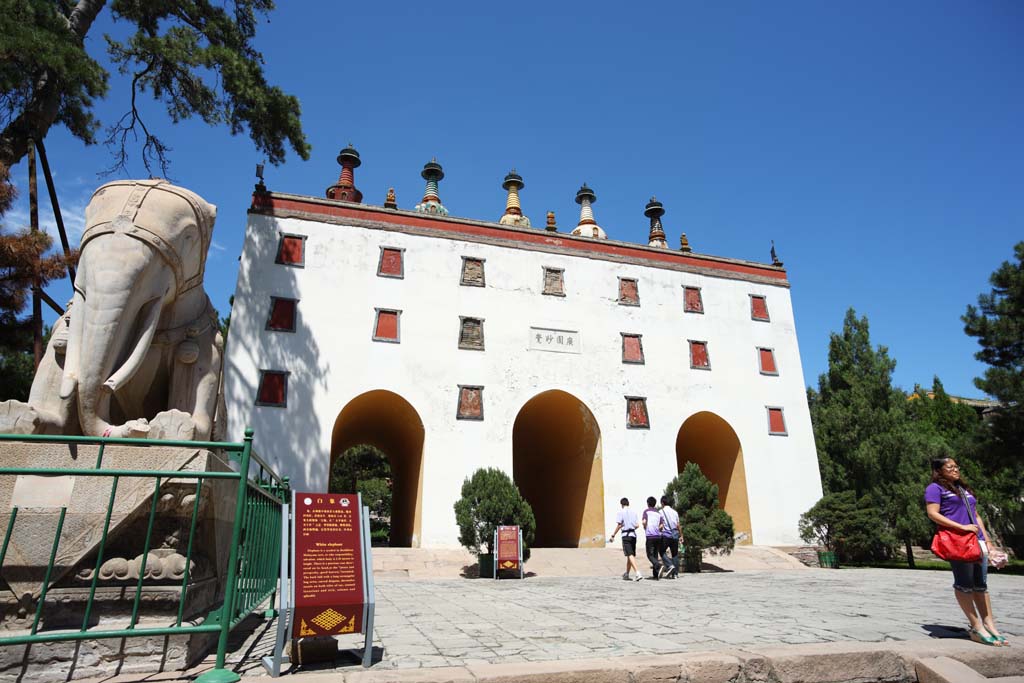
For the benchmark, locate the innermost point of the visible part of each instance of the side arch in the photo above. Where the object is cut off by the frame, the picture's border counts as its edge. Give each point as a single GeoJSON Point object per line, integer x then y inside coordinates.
{"type": "Point", "coordinates": [386, 420]}
{"type": "Point", "coordinates": [557, 465]}
{"type": "Point", "coordinates": [708, 440]}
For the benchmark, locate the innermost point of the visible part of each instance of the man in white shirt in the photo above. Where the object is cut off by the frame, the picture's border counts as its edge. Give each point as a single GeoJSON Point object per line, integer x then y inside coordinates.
{"type": "Point", "coordinates": [670, 537]}
{"type": "Point", "coordinates": [653, 524]}
{"type": "Point", "coordinates": [627, 521]}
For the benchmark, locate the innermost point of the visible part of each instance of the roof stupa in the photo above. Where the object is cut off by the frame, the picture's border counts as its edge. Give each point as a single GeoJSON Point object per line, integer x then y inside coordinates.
{"type": "Point", "coordinates": [587, 227]}
{"type": "Point", "coordinates": [432, 173]}
{"type": "Point", "coordinates": [345, 189]}
{"type": "Point", "coordinates": [513, 213]}
{"type": "Point", "coordinates": [654, 210]}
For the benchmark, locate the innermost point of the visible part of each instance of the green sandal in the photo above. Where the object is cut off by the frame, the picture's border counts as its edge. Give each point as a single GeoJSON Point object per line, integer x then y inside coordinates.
{"type": "Point", "coordinates": [986, 639]}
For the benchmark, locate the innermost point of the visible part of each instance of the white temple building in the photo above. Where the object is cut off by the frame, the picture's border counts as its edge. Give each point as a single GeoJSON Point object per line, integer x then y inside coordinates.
{"type": "Point", "coordinates": [587, 368]}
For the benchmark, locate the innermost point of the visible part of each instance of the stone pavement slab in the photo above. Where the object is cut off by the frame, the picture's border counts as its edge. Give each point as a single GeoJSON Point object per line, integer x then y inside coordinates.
{"type": "Point", "coordinates": [443, 627]}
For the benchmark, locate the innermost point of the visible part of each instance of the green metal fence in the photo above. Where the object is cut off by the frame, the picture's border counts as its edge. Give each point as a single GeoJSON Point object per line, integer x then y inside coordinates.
{"type": "Point", "coordinates": [252, 570]}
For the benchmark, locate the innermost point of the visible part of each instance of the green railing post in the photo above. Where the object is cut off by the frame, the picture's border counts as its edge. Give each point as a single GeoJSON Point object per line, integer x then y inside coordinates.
{"type": "Point", "coordinates": [219, 674]}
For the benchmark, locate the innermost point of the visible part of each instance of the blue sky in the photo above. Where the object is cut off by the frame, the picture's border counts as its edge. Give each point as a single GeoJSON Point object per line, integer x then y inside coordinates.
{"type": "Point", "coordinates": [879, 144]}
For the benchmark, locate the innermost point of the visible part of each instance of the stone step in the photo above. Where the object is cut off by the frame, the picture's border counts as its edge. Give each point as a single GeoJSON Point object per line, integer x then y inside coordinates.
{"type": "Point", "coordinates": [431, 563]}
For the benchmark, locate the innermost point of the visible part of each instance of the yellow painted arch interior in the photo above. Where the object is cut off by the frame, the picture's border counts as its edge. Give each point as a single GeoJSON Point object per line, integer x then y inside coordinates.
{"type": "Point", "coordinates": [709, 441]}
{"type": "Point", "coordinates": [556, 462]}
{"type": "Point", "coordinates": [386, 420]}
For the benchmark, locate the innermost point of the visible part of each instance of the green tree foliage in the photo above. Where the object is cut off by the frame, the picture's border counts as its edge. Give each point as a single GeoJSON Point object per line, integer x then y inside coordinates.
{"type": "Point", "coordinates": [24, 260]}
{"type": "Point", "coordinates": [854, 402]}
{"type": "Point", "coordinates": [491, 499]}
{"type": "Point", "coordinates": [704, 524]}
{"type": "Point", "coordinates": [875, 443]}
{"type": "Point", "coordinates": [998, 325]}
{"type": "Point", "coordinates": [196, 57]}
{"type": "Point", "coordinates": [364, 469]}
{"type": "Point", "coordinates": [846, 525]}
{"type": "Point", "coordinates": [225, 322]}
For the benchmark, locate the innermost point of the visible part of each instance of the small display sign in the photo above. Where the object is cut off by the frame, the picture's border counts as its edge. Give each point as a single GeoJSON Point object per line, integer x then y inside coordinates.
{"type": "Point", "coordinates": [330, 582]}
{"type": "Point", "coordinates": [508, 548]}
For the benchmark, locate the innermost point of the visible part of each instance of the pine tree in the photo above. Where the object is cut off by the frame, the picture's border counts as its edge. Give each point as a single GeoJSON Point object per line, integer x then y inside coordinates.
{"type": "Point", "coordinates": [998, 325]}
{"type": "Point", "coordinates": [704, 525]}
{"type": "Point", "coordinates": [854, 402]}
{"type": "Point", "coordinates": [490, 499]}
{"type": "Point", "coordinates": [196, 57]}
{"type": "Point", "coordinates": [876, 444]}
{"type": "Point", "coordinates": [365, 469]}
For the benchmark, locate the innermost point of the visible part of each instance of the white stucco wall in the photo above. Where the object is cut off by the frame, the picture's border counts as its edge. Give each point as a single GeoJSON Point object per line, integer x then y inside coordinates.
{"type": "Point", "coordinates": [332, 360]}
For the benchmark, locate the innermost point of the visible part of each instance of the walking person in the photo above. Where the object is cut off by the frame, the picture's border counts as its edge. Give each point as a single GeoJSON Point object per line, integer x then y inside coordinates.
{"type": "Point", "coordinates": [653, 524]}
{"type": "Point", "coordinates": [950, 502]}
{"type": "Point", "coordinates": [670, 535]}
{"type": "Point", "coordinates": [626, 521]}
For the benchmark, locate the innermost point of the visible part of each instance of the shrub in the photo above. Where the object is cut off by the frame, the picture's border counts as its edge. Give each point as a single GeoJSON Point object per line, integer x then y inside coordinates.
{"type": "Point", "coordinates": [491, 499]}
{"type": "Point", "coordinates": [853, 528]}
{"type": "Point", "coordinates": [704, 524]}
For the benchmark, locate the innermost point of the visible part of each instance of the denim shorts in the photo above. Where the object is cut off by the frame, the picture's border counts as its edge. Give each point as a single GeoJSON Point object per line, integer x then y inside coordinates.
{"type": "Point", "coordinates": [970, 577]}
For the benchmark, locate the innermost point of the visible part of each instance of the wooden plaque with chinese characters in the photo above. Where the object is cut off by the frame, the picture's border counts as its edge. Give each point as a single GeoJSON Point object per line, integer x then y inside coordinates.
{"type": "Point", "coordinates": [329, 581]}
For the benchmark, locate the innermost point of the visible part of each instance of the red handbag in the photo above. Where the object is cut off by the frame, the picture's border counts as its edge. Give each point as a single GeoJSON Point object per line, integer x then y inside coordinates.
{"type": "Point", "coordinates": [956, 546]}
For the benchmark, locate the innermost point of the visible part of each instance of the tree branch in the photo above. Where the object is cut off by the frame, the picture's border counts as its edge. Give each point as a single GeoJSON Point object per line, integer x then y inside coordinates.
{"type": "Point", "coordinates": [43, 107]}
{"type": "Point", "coordinates": [83, 15]}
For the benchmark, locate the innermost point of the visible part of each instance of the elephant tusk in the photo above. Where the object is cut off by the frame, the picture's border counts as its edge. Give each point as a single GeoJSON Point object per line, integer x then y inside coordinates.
{"type": "Point", "coordinates": [131, 366]}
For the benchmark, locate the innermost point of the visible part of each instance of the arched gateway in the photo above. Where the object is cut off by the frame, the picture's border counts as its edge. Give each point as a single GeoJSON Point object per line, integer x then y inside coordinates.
{"type": "Point", "coordinates": [709, 441]}
{"type": "Point", "coordinates": [386, 420]}
{"type": "Point", "coordinates": [556, 462]}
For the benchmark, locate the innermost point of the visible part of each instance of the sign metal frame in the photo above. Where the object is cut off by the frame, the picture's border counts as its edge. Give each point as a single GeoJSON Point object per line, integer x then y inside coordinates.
{"type": "Point", "coordinates": [286, 593]}
{"type": "Point", "coordinates": [496, 556]}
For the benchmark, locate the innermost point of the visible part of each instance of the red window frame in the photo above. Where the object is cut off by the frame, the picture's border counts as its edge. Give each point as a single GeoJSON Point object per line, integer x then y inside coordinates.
{"type": "Point", "coordinates": [387, 325]}
{"type": "Point", "coordinates": [391, 262]}
{"type": "Point", "coordinates": [693, 300]}
{"type": "Point", "coordinates": [471, 403]}
{"type": "Point", "coordinates": [776, 421]}
{"type": "Point", "coordinates": [283, 314]}
{"type": "Point", "coordinates": [766, 361]}
{"type": "Point", "coordinates": [637, 416]}
{"type": "Point", "coordinates": [759, 308]}
{"type": "Point", "coordinates": [632, 348]}
{"type": "Point", "coordinates": [700, 359]}
{"type": "Point", "coordinates": [291, 250]}
{"type": "Point", "coordinates": [629, 291]}
{"type": "Point", "coordinates": [273, 389]}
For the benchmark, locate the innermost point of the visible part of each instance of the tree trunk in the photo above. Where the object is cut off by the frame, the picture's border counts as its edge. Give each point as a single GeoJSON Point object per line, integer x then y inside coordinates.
{"type": "Point", "coordinates": [42, 109]}
{"type": "Point", "coordinates": [910, 552]}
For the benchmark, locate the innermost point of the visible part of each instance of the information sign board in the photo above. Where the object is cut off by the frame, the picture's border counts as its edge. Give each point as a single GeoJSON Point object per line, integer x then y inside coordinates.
{"type": "Point", "coordinates": [508, 550]}
{"type": "Point", "coordinates": [330, 579]}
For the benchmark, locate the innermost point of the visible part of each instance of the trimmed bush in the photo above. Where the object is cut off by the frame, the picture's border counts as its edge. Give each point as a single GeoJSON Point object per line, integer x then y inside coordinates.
{"type": "Point", "coordinates": [854, 529]}
{"type": "Point", "coordinates": [704, 524]}
{"type": "Point", "coordinates": [491, 499]}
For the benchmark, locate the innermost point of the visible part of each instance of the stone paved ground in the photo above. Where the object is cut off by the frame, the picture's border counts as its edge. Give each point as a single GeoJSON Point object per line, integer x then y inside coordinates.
{"type": "Point", "coordinates": [465, 622]}
{"type": "Point", "coordinates": [472, 623]}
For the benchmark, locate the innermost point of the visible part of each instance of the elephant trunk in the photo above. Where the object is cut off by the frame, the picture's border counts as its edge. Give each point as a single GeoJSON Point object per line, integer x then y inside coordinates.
{"type": "Point", "coordinates": [114, 327]}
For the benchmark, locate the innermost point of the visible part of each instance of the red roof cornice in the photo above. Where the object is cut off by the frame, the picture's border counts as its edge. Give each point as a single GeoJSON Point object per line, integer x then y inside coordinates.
{"type": "Point", "coordinates": [312, 208]}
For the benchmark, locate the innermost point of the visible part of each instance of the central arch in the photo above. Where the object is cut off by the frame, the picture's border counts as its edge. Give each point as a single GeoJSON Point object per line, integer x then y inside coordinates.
{"type": "Point", "coordinates": [386, 420]}
{"type": "Point", "coordinates": [709, 441]}
{"type": "Point", "coordinates": [556, 463]}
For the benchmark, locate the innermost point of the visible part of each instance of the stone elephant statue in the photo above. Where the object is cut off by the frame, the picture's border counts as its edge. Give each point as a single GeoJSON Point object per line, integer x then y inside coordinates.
{"type": "Point", "coordinates": [138, 351]}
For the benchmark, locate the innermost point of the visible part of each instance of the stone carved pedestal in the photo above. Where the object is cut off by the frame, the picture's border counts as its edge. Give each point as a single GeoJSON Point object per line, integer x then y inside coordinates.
{"type": "Point", "coordinates": [39, 500]}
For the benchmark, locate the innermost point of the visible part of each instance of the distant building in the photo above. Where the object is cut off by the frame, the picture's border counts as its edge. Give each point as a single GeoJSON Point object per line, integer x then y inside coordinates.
{"type": "Point", "coordinates": [587, 368]}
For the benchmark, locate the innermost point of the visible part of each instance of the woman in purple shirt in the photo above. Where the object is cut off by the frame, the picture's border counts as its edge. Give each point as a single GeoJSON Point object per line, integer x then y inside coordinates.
{"type": "Point", "coordinates": [950, 502]}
